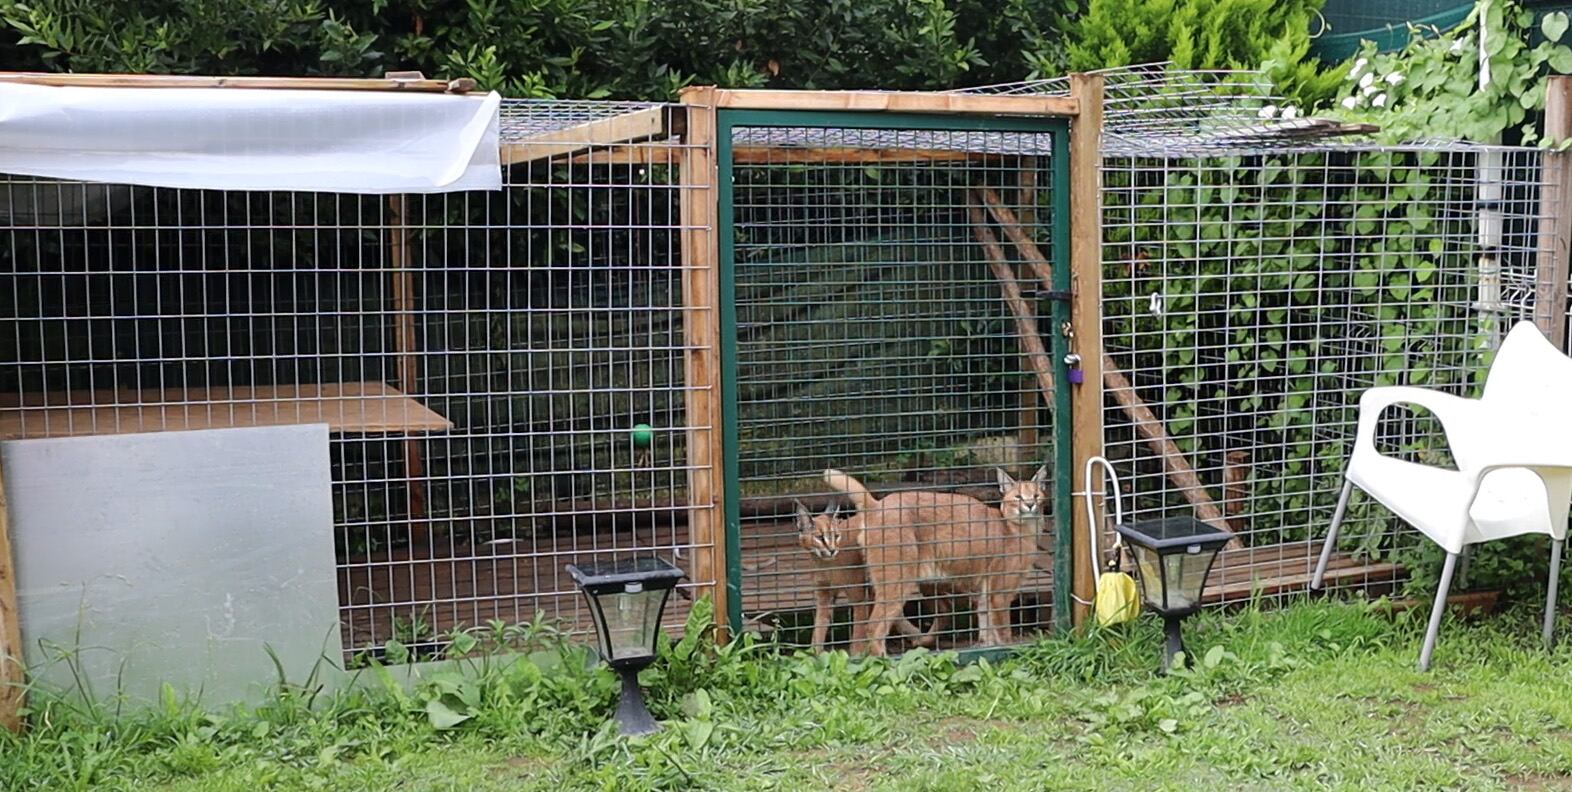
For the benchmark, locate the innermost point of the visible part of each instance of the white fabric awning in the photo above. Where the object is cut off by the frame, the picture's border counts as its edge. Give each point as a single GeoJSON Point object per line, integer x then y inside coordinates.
{"type": "Point", "coordinates": [252, 139]}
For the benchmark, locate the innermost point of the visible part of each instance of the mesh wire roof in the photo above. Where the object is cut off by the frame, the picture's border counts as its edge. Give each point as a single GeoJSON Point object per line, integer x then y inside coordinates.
{"type": "Point", "coordinates": [523, 118]}
{"type": "Point", "coordinates": [1148, 109]}
{"type": "Point", "coordinates": [1153, 106]}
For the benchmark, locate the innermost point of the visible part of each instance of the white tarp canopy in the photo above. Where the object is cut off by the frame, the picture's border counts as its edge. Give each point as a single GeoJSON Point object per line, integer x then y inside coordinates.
{"type": "Point", "coordinates": [252, 139]}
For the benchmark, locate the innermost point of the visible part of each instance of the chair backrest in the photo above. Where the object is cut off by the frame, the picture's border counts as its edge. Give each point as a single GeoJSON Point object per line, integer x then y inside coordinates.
{"type": "Point", "coordinates": [1530, 376]}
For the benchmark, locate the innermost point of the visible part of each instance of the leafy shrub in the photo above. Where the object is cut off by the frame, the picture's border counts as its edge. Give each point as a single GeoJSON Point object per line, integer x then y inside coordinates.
{"type": "Point", "coordinates": [1204, 34]}
{"type": "Point", "coordinates": [563, 48]}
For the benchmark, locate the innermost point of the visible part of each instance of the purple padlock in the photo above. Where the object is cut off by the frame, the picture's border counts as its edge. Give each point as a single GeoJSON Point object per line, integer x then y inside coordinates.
{"type": "Point", "coordinates": [1077, 376]}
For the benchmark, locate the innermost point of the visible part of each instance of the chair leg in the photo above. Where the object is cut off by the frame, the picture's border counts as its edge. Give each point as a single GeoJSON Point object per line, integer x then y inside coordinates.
{"type": "Point", "coordinates": [1437, 611]}
{"type": "Point", "coordinates": [1462, 566]}
{"type": "Point", "coordinates": [1550, 595]}
{"type": "Point", "coordinates": [1331, 535]}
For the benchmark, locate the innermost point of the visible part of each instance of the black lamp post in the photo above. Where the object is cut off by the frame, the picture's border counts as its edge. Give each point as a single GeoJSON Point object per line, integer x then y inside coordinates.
{"type": "Point", "coordinates": [1173, 558]}
{"type": "Point", "coordinates": [627, 599]}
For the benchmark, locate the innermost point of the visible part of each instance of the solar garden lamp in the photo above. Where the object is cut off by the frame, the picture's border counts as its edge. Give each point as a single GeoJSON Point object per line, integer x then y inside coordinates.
{"type": "Point", "coordinates": [627, 599]}
{"type": "Point", "coordinates": [1173, 558]}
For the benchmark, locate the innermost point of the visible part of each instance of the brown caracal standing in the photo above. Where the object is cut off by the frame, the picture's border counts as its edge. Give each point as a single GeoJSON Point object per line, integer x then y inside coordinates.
{"type": "Point", "coordinates": [959, 542]}
{"type": "Point", "coordinates": [838, 570]}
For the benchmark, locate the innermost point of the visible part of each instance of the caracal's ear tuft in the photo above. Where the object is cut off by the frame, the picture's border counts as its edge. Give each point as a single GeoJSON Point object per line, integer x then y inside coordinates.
{"type": "Point", "coordinates": [1005, 482]}
{"type": "Point", "coordinates": [804, 517]}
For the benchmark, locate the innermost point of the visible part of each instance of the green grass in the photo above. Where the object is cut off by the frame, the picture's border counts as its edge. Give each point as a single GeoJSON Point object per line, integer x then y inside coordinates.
{"type": "Point", "coordinates": [1317, 696]}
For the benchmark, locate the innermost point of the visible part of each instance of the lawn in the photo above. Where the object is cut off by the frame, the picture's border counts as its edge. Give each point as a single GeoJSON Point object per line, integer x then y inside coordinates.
{"type": "Point", "coordinates": [1314, 696]}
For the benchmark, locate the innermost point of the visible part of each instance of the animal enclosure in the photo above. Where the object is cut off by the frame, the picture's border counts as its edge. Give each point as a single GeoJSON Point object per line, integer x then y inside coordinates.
{"type": "Point", "coordinates": [521, 379]}
{"type": "Point", "coordinates": [671, 320]}
{"type": "Point", "coordinates": [1259, 273]}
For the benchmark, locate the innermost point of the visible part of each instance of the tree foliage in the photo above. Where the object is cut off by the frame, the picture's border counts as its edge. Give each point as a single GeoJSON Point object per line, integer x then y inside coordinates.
{"type": "Point", "coordinates": [564, 48]}
{"type": "Point", "coordinates": [1205, 34]}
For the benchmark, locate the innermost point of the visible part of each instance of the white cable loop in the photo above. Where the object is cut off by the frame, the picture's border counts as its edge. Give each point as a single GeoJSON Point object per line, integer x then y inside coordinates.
{"type": "Point", "coordinates": [1091, 513]}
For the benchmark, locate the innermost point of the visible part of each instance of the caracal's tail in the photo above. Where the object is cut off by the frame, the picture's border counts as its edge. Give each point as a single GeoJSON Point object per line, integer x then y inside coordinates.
{"type": "Point", "coordinates": [861, 497]}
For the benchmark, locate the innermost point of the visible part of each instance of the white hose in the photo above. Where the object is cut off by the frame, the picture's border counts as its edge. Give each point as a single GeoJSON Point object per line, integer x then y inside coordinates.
{"type": "Point", "coordinates": [1091, 511]}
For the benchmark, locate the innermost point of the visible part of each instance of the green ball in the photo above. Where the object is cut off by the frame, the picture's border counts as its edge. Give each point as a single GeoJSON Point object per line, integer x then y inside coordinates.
{"type": "Point", "coordinates": [643, 435]}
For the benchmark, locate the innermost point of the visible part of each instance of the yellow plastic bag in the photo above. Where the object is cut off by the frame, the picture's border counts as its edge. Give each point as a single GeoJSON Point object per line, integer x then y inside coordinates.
{"type": "Point", "coordinates": [1116, 600]}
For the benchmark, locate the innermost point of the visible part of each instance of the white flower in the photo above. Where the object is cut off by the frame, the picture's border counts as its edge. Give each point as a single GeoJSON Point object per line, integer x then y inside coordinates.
{"type": "Point", "coordinates": [1351, 102]}
{"type": "Point", "coordinates": [1458, 44]}
{"type": "Point", "coordinates": [1379, 101]}
{"type": "Point", "coordinates": [1364, 82]}
{"type": "Point", "coordinates": [1268, 111]}
{"type": "Point", "coordinates": [1290, 112]}
{"type": "Point", "coordinates": [1394, 79]}
{"type": "Point", "coordinates": [1370, 89]}
{"type": "Point", "coordinates": [1359, 66]}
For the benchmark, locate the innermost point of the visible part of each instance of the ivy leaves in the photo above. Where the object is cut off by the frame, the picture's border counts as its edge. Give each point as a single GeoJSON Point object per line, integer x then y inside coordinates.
{"type": "Point", "coordinates": [1439, 95]}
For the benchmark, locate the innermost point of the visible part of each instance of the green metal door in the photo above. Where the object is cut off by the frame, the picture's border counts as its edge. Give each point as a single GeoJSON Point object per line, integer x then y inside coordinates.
{"type": "Point", "coordinates": [863, 328]}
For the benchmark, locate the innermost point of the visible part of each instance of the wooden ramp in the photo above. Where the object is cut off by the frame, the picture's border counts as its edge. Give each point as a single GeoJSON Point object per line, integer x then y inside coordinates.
{"type": "Point", "coordinates": [403, 595]}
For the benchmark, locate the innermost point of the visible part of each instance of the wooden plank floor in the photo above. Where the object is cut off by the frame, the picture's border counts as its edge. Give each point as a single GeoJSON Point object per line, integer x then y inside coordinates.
{"type": "Point", "coordinates": [397, 595]}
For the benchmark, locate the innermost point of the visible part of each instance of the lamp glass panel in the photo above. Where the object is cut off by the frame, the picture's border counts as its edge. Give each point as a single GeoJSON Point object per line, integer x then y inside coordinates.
{"type": "Point", "coordinates": [1151, 575]}
{"type": "Point", "coordinates": [632, 620]}
{"type": "Point", "coordinates": [1186, 576]}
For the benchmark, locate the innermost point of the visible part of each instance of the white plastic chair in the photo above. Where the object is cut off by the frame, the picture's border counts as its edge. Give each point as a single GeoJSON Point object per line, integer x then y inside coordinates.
{"type": "Point", "coordinates": [1513, 449]}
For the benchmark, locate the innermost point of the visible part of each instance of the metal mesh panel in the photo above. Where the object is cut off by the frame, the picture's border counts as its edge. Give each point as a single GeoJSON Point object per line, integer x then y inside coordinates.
{"type": "Point", "coordinates": [1249, 300]}
{"type": "Point", "coordinates": [872, 338]}
{"type": "Point", "coordinates": [482, 359]}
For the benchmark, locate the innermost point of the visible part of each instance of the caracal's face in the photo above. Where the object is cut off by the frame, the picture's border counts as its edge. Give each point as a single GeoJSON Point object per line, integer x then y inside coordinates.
{"type": "Point", "coordinates": [1024, 500]}
{"type": "Point", "coordinates": [819, 534]}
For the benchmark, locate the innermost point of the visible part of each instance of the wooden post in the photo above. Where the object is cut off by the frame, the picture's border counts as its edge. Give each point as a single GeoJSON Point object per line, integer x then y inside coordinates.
{"type": "Point", "coordinates": [1086, 331]}
{"type": "Point", "coordinates": [1555, 215]}
{"type": "Point", "coordinates": [1026, 185]}
{"type": "Point", "coordinates": [701, 329]}
{"type": "Point", "coordinates": [1236, 488]}
{"type": "Point", "coordinates": [408, 366]}
{"type": "Point", "coordinates": [11, 669]}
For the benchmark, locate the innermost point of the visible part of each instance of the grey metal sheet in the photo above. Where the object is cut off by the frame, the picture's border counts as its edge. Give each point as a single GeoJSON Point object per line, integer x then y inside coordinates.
{"type": "Point", "coordinates": [174, 557]}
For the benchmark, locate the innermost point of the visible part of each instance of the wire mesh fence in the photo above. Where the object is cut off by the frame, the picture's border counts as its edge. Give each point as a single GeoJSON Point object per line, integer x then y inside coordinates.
{"type": "Point", "coordinates": [1259, 274]}
{"type": "Point", "coordinates": [1252, 297]}
{"type": "Point", "coordinates": [503, 373]}
{"type": "Point", "coordinates": [872, 339]}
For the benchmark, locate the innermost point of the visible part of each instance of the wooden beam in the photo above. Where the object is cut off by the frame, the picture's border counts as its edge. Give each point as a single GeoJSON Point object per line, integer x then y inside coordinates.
{"type": "Point", "coordinates": [671, 154]}
{"type": "Point", "coordinates": [897, 102]}
{"type": "Point", "coordinates": [625, 128]}
{"type": "Point", "coordinates": [1025, 317]}
{"type": "Point", "coordinates": [11, 668]}
{"type": "Point", "coordinates": [405, 345]}
{"type": "Point", "coordinates": [463, 85]}
{"type": "Point", "coordinates": [346, 407]}
{"type": "Point", "coordinates": [1086, 331]}
{"type": "Point", "coordinates": [701, 264]}
{"type": "Point", "coordinates": [651, 153]}
{"type": "Point", "coordinates": [1555, 215]}
{"type": "Point", "coordinates": [1026, 189]}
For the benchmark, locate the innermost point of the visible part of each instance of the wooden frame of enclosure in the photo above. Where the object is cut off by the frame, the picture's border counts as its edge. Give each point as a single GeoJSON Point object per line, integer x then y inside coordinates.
{"type": "Point", "coordinates": [717, 548]}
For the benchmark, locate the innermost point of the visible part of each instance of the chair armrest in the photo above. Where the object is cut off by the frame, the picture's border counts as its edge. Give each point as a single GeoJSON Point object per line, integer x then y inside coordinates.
{"type": "Point", "coordinates": [1459, 417]}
